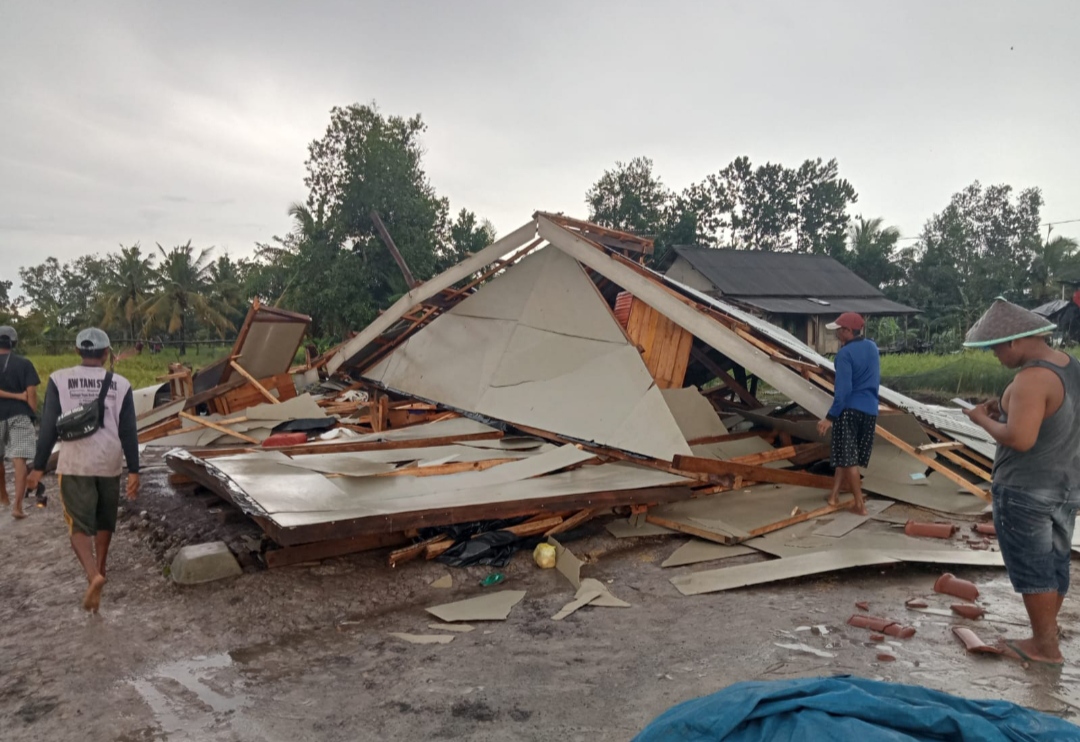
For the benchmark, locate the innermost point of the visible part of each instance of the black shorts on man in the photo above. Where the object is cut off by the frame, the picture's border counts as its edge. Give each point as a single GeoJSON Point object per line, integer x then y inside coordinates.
{"type": "Point", "coordinates": [853, 438]}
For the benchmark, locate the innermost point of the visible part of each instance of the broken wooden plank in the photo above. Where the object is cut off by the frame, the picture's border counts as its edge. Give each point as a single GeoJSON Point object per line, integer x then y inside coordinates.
{"type": "Point", "coordinates": [356, 446]}
{"type": "Point", "coordinates": [412, 551]}
{"type": "Point", "coordinates": [749, 472]}
{"type": "Point", "coordinates": [968, 465]}
{"type": "Point", "coordinates": [288, 555]}
{"type": "Point", "coordinates": [800, 517]}
{"type": "Point", "coordinates": [454, 467]}
{"type": "Point", "coordinates": [938, 447]}
{"type": "Point", "coordinates": [570, 523]}
{"type": "Point", "coordinates": [716, 537]}
{"type": "Point", "coordinates": [389, 242]}
{"type": "Point", "coordinates": [723, 438]}
{"type": "Point", "coordinates": [219, 428]}
{"type": "Point", "coordinates": [933, 463]}
{"type": "Point", "coordinates": [254, 382]}
{"type": "Point", "coordinates": [725, 378]}
{"type": "Point", "coordinates": [162, 429]}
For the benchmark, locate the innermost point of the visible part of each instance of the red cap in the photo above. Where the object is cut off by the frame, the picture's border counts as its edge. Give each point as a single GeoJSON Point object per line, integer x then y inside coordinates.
{"type": "Point", "coordinates": [848, 320]}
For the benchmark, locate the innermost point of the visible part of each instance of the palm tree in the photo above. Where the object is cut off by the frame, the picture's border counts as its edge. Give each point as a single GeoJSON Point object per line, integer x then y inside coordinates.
{"type": "Point", "coordinates": [1055, 260]}
{"type": "Point", "coordinates": [871, 250]}
{"type": "Point", "coordinates": [128, 282]}
{"type": "Point", "coordinates": [184, 294]}
{"type": "Point", "coordinates": [227, 286]}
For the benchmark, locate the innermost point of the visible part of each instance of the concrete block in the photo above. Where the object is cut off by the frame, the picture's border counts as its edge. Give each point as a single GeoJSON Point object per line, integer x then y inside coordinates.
{"type": "Point", "coordinates": [200, 563]}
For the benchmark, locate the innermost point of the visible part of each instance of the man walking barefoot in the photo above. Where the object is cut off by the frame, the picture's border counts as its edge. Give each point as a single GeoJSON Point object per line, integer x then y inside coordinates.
{"type": "Point", "coordinates": [90, 467]}
{"type": "Point", "coordinates": [18, 406]}
{"type": "Point", "coordinates": [853, 415]}
{"type": "Point", "coordinates": [1036, 476]}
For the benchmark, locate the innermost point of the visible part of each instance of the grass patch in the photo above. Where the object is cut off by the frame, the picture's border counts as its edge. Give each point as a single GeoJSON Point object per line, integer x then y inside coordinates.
{"type": "Point", "coordinates": [974, 372]}
{"type": "Point", "coordinates": [141, 370]}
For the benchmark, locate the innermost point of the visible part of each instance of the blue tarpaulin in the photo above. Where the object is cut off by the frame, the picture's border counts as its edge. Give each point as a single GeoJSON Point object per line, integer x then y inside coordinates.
{"type": "Point", "coordinates": [849, 709]}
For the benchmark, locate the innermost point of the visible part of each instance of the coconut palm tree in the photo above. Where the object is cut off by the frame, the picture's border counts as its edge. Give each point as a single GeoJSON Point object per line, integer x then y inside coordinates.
{"type": "Point", "coordinates": [184, 296]}
{"type": "Point", "coordinates": [870, 251]}
{"type": "Point", "coordinates": [128, 282]}
{"type": "Point", "coordinates": [1055, 260]}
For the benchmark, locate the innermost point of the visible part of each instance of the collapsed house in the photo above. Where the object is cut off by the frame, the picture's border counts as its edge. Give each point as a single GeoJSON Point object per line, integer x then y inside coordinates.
{"type": "Point", "coordinates": [543, 381]}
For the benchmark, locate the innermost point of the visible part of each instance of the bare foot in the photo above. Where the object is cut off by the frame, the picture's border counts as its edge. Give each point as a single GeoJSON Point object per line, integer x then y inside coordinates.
{"type": "Point", "coordinates": [832, 500]}
{"type": "Point", "coordinates": [858, 508]}
{"type": "Point", "coordinates": [1027, 652]}
{"type": "Point", "coordinates": [92, 597]}
{"type": "Point", "coordinates": [18, 514]}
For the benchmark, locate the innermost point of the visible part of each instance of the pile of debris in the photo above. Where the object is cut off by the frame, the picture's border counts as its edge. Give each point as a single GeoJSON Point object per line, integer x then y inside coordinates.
{"type": "Point", "coordinates": [543, 381]}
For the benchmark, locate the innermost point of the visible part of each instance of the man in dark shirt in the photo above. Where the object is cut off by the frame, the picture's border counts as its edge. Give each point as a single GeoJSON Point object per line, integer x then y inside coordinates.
{"type": "Point", "coordinates": [18, 405]}
{"type": "Point", "coordinates": [853, 415]}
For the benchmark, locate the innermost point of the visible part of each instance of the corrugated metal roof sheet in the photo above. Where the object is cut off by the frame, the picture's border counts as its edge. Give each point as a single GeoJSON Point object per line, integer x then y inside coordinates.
{"type": "Point", "coordinates": [834, 305]}
{"type": "Point", "coordinates": [740, 273]}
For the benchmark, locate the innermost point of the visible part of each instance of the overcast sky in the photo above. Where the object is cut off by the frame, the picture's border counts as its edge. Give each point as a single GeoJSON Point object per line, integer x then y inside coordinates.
{"type": "Point", "coordinates": [160, 122]}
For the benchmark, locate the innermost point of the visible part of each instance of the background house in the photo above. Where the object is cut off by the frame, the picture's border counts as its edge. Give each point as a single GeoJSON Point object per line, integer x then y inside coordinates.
{"type": "Point", "coordinates": [798, 292]}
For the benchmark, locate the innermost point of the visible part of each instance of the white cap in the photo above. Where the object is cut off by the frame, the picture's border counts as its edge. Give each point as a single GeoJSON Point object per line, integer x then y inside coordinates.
{"type": "Point", "coordinates": [92, 339]}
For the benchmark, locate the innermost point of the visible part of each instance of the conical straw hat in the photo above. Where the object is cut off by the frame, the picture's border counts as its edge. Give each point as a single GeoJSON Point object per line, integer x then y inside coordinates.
{"type": "Point", "coordinates": [1004, 321]}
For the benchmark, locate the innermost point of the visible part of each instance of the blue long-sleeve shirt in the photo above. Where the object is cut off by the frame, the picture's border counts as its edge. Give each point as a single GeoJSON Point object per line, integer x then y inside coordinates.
{"type": "Point", "coordinates": [858, 375]}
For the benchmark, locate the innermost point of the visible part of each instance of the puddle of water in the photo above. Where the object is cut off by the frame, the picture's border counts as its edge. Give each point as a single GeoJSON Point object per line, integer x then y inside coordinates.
{"type": "Point", "coordinates": [189, 697]}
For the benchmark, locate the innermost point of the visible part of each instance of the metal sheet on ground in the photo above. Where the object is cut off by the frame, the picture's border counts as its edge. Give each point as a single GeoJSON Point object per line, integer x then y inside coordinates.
{"type": "Point", "coordinates": [744, 510]}
{"type": "Point", "coordinates": [307, 493]}
{"type": "Point", "coordinates": [491, 607]}
{"type": "Point", "coordinates": [717, 580]}
{"type": "Point", "coordinates": [623, 528]}
{"type": "Point", "coordinates": [582, 481]}
{"type": "Point", "coordinates": [899, 476]}
{"type": "Point", "coordinates": [844, 523]}
{"type": "Point", "coordinates": [697, 550]}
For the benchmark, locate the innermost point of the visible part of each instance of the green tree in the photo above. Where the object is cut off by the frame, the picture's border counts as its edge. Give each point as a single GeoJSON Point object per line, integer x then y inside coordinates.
{"type": "Point", "coordinates": [630, 198]}
{"type": "Point", "coordinates": [982, 245]}
{"type": "Point", "coordinates": [1056, 259]}
{"type": "Point", "coordinates": [822, 199]}
{"type": "Point", "coordinates": [64, 295]}
{"type": "Point", "coordinates": [127, 284]}
{"type": "Point", "coordinates": [227, 287]}
{"type": "Point", "coordinates": [307, 271]}
{"type": "Point", "coordinates": [7, 305]}
{"type": "Point", "coordinates": [871, 252]}
{"type": "Point", "coordinates": [467, 236]}
{"type": "Point", "coordinates": [370, 162]}
{"type": "Point", "coordinates": [183, 297]}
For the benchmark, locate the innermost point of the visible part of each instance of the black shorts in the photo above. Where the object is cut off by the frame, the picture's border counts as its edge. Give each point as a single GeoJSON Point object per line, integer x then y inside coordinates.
{"type": "Point", "coordinates": [853, 439]}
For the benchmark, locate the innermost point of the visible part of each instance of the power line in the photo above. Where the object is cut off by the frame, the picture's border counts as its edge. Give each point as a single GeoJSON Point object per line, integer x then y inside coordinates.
{"type": "Point", "coordinates": [1044, 224]}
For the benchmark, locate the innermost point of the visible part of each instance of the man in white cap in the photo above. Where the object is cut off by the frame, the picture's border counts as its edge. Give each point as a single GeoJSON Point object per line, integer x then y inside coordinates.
{"type": "Point", "coordinates": [90, 465]}
{"type": "Point", "coordinates": [1036, 475]}
{"type": "Point", "coordinates": [18, 407]}
{"type": "Point", "coordinates": [853, 415]}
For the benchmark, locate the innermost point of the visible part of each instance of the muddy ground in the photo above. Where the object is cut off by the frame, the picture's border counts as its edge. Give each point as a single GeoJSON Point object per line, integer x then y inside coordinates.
{"type": "Point", "coordinates": [304, 653]}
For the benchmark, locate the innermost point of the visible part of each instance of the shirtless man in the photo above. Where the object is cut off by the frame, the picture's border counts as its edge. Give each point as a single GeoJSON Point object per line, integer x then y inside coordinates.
{"type": "Point", "coordinates": [1036, 476]}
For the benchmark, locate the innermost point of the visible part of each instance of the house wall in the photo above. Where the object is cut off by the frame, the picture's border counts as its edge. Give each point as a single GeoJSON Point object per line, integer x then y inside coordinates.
{"type": "Point", "coordinates": [683, 272]}
{"type": "Point", "coordinates": [808, 328]}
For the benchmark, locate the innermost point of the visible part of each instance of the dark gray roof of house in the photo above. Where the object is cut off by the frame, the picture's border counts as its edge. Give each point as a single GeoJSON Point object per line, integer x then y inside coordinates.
{"type": "Point", "coordinates": [749, 273]}
{"type": "Point", "coordinates": [1051, 308]}
{"type": "Point", "coordinates": [831, 306]}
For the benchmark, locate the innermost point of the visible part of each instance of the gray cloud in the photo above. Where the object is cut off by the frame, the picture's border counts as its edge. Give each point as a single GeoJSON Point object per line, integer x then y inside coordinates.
{"type": "Point", "coordinates": [153, 122]}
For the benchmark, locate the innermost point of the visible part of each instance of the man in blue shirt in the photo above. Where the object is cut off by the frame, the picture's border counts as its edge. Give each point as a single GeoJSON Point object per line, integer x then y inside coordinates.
{"type": "Point", "coordinates": [853, 415]}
